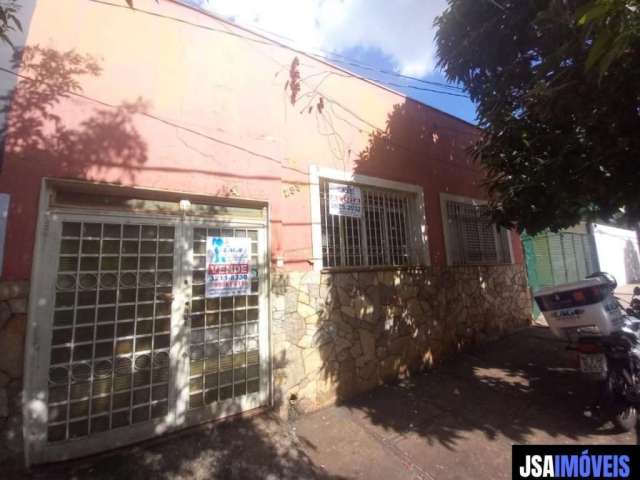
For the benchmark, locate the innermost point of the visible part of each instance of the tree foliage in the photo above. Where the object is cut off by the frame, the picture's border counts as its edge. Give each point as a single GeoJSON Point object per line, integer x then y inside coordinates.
{"type": "Point", "coordinates": [9, 21]}
{"type": "Point", "coordinates": [557, 84]}
{"type": "Point", "coordinates": [615, 25]}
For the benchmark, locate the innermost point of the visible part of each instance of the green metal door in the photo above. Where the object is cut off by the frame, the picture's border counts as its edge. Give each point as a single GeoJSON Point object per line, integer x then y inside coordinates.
{"type": "Point", "coordinates": [557, 258]}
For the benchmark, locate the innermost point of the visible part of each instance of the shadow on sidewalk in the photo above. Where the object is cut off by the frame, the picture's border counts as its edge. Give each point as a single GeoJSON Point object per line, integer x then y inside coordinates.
{"type": "Point", "coordinates": [524, 388]}
{"type": "Point", "coordinates": [460, 419]}
{"type": "Point", "coordinates": [256, 447]}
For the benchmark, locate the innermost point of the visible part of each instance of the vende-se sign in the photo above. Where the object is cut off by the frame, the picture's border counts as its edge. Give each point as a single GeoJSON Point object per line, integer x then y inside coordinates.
{"type": "Point", "coordinates": [228, 267]}
{"type": "Point", "coordinates": [345, 200]}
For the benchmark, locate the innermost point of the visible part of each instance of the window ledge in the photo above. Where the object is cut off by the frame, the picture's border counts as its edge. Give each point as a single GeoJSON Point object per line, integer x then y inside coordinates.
{"type": "Point", "coordinates": [377, 268]}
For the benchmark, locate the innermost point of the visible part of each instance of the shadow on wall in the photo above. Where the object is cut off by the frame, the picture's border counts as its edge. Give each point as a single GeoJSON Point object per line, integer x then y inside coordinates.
{"type": "Point", "coordinates": [36, 141]}
{"type": "Point", "coordinates": [631, 262]}
{"type": "Point", "coordinates": [348, 332]}
{"type": "Point", "coordinates": [36, 133]}
{"type": "Point", "coordinates": [53, 130]}
{"type": "Point", "coordinates": [42, 139]}
{"type": "Point", "coordinates": [39, 139]}
{"type": "Point", "coordinates": [413, 141]}
{"type": "Point", "coordinates": [344, 333]}
{"type": "Point", "coordinates": [417, 146]}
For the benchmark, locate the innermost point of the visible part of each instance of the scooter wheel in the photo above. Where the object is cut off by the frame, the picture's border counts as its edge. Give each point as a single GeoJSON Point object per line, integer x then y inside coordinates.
{"type": "Point", "coordinates": [623, 415]}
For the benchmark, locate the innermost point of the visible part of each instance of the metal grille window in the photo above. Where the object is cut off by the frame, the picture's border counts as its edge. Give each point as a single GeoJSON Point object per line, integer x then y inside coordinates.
{"type": "Point", "coordinates": [472, 239]}
{"type": "Point", "coordinates": [380, 236]}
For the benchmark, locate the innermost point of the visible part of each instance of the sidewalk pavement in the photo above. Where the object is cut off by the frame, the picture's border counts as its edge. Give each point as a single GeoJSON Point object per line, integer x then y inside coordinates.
{"type": "Point", "coordinates": [460, 421]}
{"type": "Point", "coordinates": [456, 422]}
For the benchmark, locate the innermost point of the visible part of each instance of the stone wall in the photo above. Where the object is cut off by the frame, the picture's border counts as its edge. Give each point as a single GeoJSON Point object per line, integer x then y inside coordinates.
{"type": "Point", "coordinates": [13, 321]}
{"type": "Point", "coordinates": [333, 334]}
{"type": "Point", "coordinates": [338, 334]}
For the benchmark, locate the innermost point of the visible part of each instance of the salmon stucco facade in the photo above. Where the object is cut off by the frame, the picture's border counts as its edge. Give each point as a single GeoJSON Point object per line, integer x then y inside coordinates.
{"type": "Point", "coordinates": [204, 222]}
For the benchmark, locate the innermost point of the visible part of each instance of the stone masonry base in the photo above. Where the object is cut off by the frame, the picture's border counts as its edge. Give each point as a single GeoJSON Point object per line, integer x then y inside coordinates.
{"type": "Point", "coordinates": [338, 334]}
{"type": "Point", "coordinates": [13, 320]}
{"type": "Point", "coordinates": [333, 335]}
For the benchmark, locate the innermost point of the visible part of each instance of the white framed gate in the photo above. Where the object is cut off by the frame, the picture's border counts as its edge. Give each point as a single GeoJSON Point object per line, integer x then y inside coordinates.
{"type": "Point", "coordinates": [122, 344]}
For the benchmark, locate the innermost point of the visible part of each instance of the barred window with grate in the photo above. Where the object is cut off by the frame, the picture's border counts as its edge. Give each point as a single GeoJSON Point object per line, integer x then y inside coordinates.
{"type": "Point", "coordinates": [380, 236]}
{"type": "Point", "coordinates": [471, 237]}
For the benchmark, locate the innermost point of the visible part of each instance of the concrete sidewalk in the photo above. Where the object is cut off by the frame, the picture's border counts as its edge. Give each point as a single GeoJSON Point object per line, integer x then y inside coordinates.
{"type": "Point", "coordinates": [460, 421]}
{"type": "Point", "coordinates": [456, 422]}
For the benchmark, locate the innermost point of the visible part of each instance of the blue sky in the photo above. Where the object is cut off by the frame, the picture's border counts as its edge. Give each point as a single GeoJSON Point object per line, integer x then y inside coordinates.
{"type": "Point", "coordinates": [458, 106]}
{"type": "Point", "coordinates": [394, 36]}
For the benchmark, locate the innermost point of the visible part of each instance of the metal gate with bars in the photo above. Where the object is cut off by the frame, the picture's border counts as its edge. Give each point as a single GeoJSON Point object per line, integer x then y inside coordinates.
{"type": "Point", "coordinates": [381, 236]}
{"type": "Point", "coordinates": [126, 346]}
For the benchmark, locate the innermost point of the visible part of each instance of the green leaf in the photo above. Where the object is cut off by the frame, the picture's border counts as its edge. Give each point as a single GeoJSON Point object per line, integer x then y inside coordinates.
{"type": "Point", "coordinates": [556, 141]}
{"type": "Point", "coordinates": [614, 52]}
{"type": "Point", "coordinates": [593, 11]}
{"type": "Point", "coordinates": [599, 48]}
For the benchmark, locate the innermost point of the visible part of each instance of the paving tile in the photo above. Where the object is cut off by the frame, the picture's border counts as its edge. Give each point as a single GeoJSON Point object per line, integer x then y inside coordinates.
{"type": "Point", "coordinates": [341, 447]}
{"type": "Point", "coordinates": [450, 448]}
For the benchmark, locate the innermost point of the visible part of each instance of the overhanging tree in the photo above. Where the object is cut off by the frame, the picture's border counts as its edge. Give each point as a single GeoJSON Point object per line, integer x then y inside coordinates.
{"type": "Point", "coordinates": [557, 84]}
{"type": "Point", "coordinates": [9, 21]}
{"type": "Point", "coordinates": [614, 26]}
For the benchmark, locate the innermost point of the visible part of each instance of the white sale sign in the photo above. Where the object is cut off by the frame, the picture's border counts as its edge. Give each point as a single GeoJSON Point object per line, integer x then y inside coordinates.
{"type": "Point", "coordinates": [345, 200]}
{"type": "Point", "coordinates": [228, 267]}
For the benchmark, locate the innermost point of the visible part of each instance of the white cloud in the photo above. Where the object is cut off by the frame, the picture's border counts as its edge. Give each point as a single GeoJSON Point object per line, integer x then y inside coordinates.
{"type": "Point", "coordinates": [402, 29]}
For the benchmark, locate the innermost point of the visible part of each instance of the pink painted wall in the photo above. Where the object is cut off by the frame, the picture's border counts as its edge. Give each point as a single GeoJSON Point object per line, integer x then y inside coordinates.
{"type": "Point", "coordinates": [219, 121]}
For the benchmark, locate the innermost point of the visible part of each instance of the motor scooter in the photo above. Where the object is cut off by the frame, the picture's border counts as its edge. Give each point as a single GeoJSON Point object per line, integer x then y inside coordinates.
{"type": "Point", "coordinates": [606, 336]}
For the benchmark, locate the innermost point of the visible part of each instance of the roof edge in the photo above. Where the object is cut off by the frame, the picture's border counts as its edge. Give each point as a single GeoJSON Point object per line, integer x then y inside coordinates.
{"type": "Point", "coordinates": [210, 14]}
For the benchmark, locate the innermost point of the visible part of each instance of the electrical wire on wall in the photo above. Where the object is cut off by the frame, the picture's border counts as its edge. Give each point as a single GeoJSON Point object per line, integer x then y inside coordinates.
{"type": "Point", "coordinates": [327, 56]}
{"type": "Point", "coordinates": [312, 95]}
